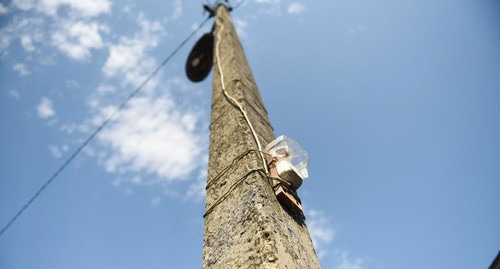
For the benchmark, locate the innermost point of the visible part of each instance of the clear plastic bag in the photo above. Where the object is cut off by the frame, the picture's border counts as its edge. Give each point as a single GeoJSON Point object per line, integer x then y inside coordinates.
{"type": "Point", "coordinates": [285, 148]}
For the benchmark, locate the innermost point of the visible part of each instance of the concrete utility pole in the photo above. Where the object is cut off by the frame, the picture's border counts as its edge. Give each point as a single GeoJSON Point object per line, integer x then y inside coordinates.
{"type": "Point", "coordinates": [245, 225]}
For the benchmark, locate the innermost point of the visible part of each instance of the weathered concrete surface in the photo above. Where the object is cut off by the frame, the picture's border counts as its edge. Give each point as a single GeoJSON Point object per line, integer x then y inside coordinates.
{"type": "Point", "coordinates": [245, 226]}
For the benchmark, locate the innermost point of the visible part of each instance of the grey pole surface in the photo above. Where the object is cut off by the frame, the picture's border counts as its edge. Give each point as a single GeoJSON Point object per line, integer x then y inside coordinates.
{"type": "Point", "coordinates": [245, 225]}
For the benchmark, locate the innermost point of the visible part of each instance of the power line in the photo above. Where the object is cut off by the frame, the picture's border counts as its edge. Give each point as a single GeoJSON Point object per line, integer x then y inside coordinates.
{"type": "Point", "coordinates": [239, 4]}
{"type": "Point", "coordinates": [100, 128]}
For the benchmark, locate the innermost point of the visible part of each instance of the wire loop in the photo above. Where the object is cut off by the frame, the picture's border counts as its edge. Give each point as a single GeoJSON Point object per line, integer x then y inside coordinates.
{"type": "Point", "coordinates": [232, 188]}
{"type": "Point", "coordinates": [233, 163]}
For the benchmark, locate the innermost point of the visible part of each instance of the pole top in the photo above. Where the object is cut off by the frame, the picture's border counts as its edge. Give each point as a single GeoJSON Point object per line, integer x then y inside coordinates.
{"type": "Point", "coordinates": [211, 9]}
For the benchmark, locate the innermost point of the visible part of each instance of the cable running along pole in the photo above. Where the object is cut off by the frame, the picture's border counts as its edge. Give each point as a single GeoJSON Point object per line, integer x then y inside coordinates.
{"type": "Point", "coordinates": [100, 128]}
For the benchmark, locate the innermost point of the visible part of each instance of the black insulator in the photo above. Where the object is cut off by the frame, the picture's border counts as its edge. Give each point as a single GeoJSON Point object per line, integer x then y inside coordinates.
{"type": "Point", "coordinates": [200, 59]}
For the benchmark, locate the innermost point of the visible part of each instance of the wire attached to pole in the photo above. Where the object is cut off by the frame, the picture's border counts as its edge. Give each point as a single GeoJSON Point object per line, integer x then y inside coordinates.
{"type": "Point", "coordinates": [232, 99]}
{"type": "Point", "coordinates": [101, 127]}
{"type": "Point", "coordinates": [211, 9]}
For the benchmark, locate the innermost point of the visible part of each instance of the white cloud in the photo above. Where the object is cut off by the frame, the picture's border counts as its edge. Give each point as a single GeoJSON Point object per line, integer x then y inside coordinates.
{"type": "Point", "coordinates": [197, 190]}
{"type": "Point", "coordinates": [3, 9]}
{"type": "Point", "coordinates": [56, 151]}
{"type": "Point", "coordinates": [105, 89]}
{"type": "Point", "coordinates": [128, 57]}
{"type": "Point", "coordinates": [95, 100]}
{"type": "Point", "coordinates": [152, 136]}
{"type": "Point", "coordinates": [136, 180]}
{"type": "Point", "coordinates": [69, 128]}
{"type": "Point", "coordinates": [178, 10]}
{"type": "Point", "coordinates": [296, 8]}
{"type": "Point", "coordinates": [45, 108]}
{"type": "Point", "coordinates": [126, 8]}
{"type": "Point", "coordinates": [15, 94]}
{"type": "Point", "coordinates": [343, 261]}
{"type": "Point", "coordinates": [241, 26]}
{"type": "Point", "coordinates": [72, 84]}
{"type": "Point", "coordinates": [20, 27]}
{"type": "Point", "coordinates": [124, 56]}
{"type": "Point", "coordinates": [87, 8]}
{"type": "Point", "coordinates": [27, 43]}
{"type": "Point", "coordinates": [155, 201]}
{"type": "Point", "coordinates": [70, 32]}
{"type": "Point", "coordinates": [322, 232]}
{"type": "Point", "coordinates": [76, 39]}
{"type": "Point", "coordinates": [4, 41]}
{"type": "Point", "coordinates": [21, 69]}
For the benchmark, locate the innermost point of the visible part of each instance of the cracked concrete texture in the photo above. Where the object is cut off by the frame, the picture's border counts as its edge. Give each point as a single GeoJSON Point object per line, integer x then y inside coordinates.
{"type": "Point", "coordinates": [246, 226]}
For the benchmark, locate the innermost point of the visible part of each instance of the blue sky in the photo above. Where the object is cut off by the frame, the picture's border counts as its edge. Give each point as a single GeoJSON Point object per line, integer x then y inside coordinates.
{"type": "Point", "coordinates": [397, 104]}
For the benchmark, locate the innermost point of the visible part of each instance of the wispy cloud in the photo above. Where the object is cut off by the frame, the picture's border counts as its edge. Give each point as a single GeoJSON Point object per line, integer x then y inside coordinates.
{"type": "Point", "coordinates": [177, 10]}
{"type": "Point", "coordinates": [27, 43]}
{"type": "Point", "coordinates": [87, 8]}
{"type": "Point", "coordinates": [155, 201]}
{"type": "Point", "coordinates": [296, 8]}
{"type": "Point", "coordinates": [45, 108]}
{"type": "Point", "coordinates": [322, 232]}
{"type": "Point", "coordinates": [323, 235]}
{"type": "Point", "coordinates": [27, 29]}
{"type": "Point", "coordinates": [72, 84]}
{"type": "Point", "coordinates": [197, 190]}
{"type": "Point", "coordinates": [56, 151]}
{"type": "Point", "coordinates": [21, 69]}
{"type": "Point", "coordinates": [15, 94]}
{"type": "Point", "coordinates": [3, 9]}
{"type": "Point", "coordinates": [151, 136]}
{"type": "Point", "coordinates": [343, 261]}
{"type": "Point", "coordinates": [124, 56]}
{"type": "Point", "coordinates": [128, 57]}
{"type": "Point", "coordinates": [241, 26]}
{"type": "Point", "coordinates": [76, 39]}
{"type": "Point", "coordinates": [74, 32]}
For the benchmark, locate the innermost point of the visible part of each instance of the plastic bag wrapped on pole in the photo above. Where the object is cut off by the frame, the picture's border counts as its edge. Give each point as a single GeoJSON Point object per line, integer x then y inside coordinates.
{"type": "Point", "coordinates": [285, 148]}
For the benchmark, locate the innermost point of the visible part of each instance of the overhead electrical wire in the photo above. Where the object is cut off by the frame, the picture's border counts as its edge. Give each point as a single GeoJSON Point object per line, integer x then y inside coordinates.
{"type": "Point", "coordinates": [101, 127]}
{"type": "Point", "coordinates": [238, 5]}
